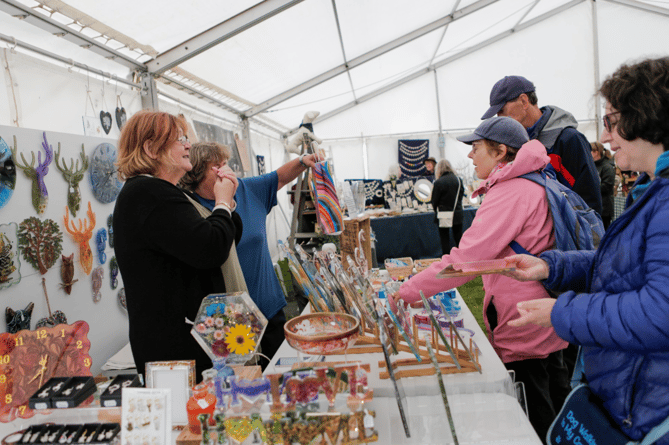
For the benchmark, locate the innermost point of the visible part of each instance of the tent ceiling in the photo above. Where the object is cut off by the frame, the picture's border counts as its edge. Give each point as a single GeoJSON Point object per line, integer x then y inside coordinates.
{"type": "Point", "coordinates": [279, 58]}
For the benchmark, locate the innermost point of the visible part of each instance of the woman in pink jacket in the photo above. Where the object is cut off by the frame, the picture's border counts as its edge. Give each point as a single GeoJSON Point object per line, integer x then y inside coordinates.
{"type": "Point", "coordinates": [513, 209]}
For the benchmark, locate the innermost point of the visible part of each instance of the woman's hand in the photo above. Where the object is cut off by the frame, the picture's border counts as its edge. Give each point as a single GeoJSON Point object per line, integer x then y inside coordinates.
{"type": "Point", "coordinates": [311, 160]}
{"type": "Point", "coordinates": [528, 268]}
{"type": "Point", "coordinates": [535, 312]}
{"type": "Point", "coordinates": [225, 185]}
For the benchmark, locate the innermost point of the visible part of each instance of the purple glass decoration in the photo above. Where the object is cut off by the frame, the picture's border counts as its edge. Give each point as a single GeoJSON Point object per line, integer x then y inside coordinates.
{"type": "Point", "coordinates": [40, 196]}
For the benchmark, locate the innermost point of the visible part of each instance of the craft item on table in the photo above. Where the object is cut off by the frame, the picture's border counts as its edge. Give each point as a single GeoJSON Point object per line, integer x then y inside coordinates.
{"type": "Point", "coordinates": [55, 318]}
{"type": "Point", "coordinates": [7, 172]}
{"type": "Point", "coordinates": [449, 302]}
{"type": "Point", "coordinates": [113, 272]}
{"type": "Point", "coordinates": [229, 325]}
{"type": "Point", "coordinates": [360, 258]}
{"type": "Point", "coordinates": [400, 396]}
{"type": "Point", "coordinates": [18, 319]}
{"type": "Point", "coordinates": [40, 195]}
{"type": "Point", "coordinates": [399, 267]}
{"type": "Point", "coordinates": [454, 330]}
{"type": "Point", "coordinates": [221, 438]}
{"type": "Point", "coordinates": [31, 358]}
{"type": "Point", "coordinates": [141, 425]}
{"type": "Point", "coordinates": [101, 244]}
{"type": "Point", "coordinates": [81, 234]}
{"type": "Point", "coordinates": [474, 268]}
{"type": "Point", "coordinates": [442, 389]}
{"type": "Point", "coordinates": [67, 273]}
{"type": "Point", "coordinates": [405, 331]}
{"type": "Point", "coordinates": [422, 319]}
{"type": "Point", "coordinates": [120, 296]}
{"type": "Point", "coordinates": [249, 395]}
{"type": "Point", "coordinates": [121, 116]}
{"type": "Point", "coordinates": [437, 327]}
{"type": "Point", "coordinates": [332, 283]}
{"type": "Point", "coordinates": [301, 279]}
{"type": "Point", "coordinates": [201, 402]}
{"type": "Point", "coordinates": [73, 177]}
{"type": "Point", "coordinates": [10, 264]}
{"type": "Point", "coordinates": [322, 333]}
{"type": "Point", "coordinates": [96, 282]}
{"type": "Point", "coordinates": [110, 230]}
{"type": "Point", "coordinates": [111, 396]}
{"type": "Point", "coordinates": [261, 164]}
{"type": "Point", "coordinates": [103, 174]}
{"type": "Point", "coordinates": [239, 428]}
{"type": "Point", "coordinates": [305, 132]}
{"type": "Point", "coordinates": [324, 194]}
{"type": "Point", "coordinates": [411, 154]}
{"type": "Point", "coordinates": [40, 242]}
{"type": "Point", "coordinates": [422, 264]}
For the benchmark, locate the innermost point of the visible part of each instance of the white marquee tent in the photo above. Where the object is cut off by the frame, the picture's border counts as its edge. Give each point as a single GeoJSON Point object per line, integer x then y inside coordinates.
{"type": "Point", "coordinates": [377, 70]}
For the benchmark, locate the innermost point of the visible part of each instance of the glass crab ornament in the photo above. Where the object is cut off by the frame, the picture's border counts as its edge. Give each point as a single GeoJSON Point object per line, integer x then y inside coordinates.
{"type": "Point", "coordinates": [229, 326]}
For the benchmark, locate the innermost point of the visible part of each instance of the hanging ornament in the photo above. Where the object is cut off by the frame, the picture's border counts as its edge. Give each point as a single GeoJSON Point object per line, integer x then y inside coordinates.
{"type": "Point", "coordinates": [40, 242]}
{"type": "Point", "coordinates": [9, 255]}
{"type": "Point", "coordinates": [82, 235]}
{"type": "Point", "coordinates": [101, 244]}
{"type": "Point", "coordinates": [96, 282]}
{"type": "Point", "coordinates": [67, 273]}
{"type": "Point", "coordinates": [110, 230]}
{"type": "Point", "coordinates": [121, 298]}
{"type": "Point", "coordinates": [7, 172]}
{"type": "Point", "coordinates": [121, 117]}
{"type": "Point", "coordinates": [40, 196]}
{"type": "Point", "coordinates": [19, 319]}
{"type": "Point", "coordinates": [113, 272]}
{"type": "Point", "coordinates": [105, 116]}
{"type": "Point", "coordinates": [55, 318]}
{"type": "Point", "coordinates": [73, 177]}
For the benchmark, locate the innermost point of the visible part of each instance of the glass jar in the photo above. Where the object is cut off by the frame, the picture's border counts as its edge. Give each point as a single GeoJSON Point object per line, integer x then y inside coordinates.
{"type": "Point", "coordinates": [201, 402]}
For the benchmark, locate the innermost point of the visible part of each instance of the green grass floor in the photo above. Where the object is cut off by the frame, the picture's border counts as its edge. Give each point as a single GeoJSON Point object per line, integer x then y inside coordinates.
{"type": "Point", "coordinates": [472, 294]}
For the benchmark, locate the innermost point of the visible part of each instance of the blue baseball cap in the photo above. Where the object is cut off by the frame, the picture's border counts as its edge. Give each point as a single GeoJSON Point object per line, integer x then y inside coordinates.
{"type": "Point", "coordinates": [506, 90]}
{"type": "Point", "coordinates": [503, 130]}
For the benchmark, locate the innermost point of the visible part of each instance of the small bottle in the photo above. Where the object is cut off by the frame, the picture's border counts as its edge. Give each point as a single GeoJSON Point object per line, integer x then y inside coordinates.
{"type": "Point", "coordinates": [201, 402]}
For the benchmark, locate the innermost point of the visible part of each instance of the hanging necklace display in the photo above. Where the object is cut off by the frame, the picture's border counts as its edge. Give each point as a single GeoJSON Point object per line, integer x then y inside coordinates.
{"type": "Point", "coordinates": [7, 172]}
{"type": "Point", "coordinates": [105, 116]}
{"type": "Point", "coordinates": [73, 177]}
{"type": "Point", "coordinates": [121, 117]}
{"type": "Point", "coordinates": [91, 122]}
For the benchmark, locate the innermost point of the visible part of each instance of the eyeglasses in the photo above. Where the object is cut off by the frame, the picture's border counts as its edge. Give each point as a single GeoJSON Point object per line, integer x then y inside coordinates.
{"type": "Point", "coordinates": [607, 121]}
{"type": "Point", "coordinates": [183, 140]}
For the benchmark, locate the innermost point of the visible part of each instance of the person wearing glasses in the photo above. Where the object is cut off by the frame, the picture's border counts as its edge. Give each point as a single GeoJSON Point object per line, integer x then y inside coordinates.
{"type": "Point", "coordinates": [568, 148]}
{"type": "Point", "coordinates": [616, 304]}
{"type": "Point", "coordinates": [168, 255]}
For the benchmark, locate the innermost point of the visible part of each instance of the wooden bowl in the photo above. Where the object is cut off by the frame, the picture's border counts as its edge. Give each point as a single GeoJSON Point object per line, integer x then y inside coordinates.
{"type": "Point", "coordinates": [322, 333]}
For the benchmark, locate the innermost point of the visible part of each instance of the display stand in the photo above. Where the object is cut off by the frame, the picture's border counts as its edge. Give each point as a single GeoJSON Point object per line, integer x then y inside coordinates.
{"type": "Point", "coordinates": [303, 223]}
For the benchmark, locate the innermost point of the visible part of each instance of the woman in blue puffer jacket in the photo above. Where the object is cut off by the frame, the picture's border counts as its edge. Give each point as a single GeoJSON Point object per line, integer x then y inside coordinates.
{"type": "Point", "coordinates": [617, 304]}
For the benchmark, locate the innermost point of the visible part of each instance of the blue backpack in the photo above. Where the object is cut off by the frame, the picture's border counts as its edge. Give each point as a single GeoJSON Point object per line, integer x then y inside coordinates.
{"type": "Point", "coordinates": [577, 226]}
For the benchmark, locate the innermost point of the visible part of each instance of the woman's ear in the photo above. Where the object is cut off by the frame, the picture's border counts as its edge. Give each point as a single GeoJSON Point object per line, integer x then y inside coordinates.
{"type": "Point", "coordinates": [147, 150]}
{"type": "Point", "coordinates": [501, 154]}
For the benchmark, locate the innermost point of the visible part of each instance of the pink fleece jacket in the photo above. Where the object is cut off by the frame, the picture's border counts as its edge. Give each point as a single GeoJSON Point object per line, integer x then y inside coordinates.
{"type": "Point", "coordinates": [513, 209]}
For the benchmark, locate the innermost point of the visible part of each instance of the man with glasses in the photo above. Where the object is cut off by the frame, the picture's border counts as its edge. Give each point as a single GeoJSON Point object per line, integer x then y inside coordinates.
{"type": "Point", "coordinates": [569, 150]}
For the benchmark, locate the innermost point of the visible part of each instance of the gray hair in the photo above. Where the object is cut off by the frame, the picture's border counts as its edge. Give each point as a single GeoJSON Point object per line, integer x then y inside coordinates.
{"type": "Point", "coordinates": [201, 155]}
{"type": "Point", "coordinates": [443, 167]}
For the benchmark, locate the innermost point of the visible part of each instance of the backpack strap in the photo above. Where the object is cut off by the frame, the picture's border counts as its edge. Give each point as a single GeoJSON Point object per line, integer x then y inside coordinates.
{"type": "Point", "coordinates": [538, 177]}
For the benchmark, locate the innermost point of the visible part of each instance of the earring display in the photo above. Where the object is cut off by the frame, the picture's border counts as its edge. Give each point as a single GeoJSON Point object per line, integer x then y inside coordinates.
{"type": "Point", "coordinates": [145, 416]}
{"type": "Point", "coordinates": [112, 395]}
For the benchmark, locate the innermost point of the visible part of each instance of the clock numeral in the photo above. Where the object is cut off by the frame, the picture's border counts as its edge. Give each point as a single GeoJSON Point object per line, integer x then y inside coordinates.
{"type": "Point", "coordinates": [80, 344]}
{"type": "Point", "coordinates": [41, 334]}
{"type": "Point", "coordinates": [3, 378]}
{"type": "Point", "coordinates": [4, 359]}
{"type": "Point", "coordinates": [8, 399]}
{"type": "Point", "coordinates": [87, 362]}
{"type": "Point", "coordinates": [22, 409]}
{"type": "Point", "coordinates": [62, 332]}
{"type": "Point", "coordinates": [19, 341]}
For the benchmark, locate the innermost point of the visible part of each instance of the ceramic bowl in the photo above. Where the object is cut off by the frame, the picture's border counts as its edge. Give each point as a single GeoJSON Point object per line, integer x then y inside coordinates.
{"type": "Point", "coordinates": [322, 333]}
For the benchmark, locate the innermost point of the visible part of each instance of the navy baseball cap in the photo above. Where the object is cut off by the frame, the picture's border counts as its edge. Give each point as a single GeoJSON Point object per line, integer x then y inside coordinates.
{"type": "Point", "coordinates": [506, 90]}
{"type": "Point", "coordinates": [503, 130]}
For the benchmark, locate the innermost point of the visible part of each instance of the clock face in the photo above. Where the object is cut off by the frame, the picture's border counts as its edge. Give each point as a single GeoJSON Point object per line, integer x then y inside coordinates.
{"type": "Point", "coordinates": [104, 177]}
{"type": "Point", "coordinates": [28, 359]}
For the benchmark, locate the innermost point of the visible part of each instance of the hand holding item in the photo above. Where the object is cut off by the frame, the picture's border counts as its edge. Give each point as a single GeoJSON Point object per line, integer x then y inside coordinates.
{"type": "Point", "coordinates": [527, 268]}
{"type": "Point", "coordinates": [534, 311]}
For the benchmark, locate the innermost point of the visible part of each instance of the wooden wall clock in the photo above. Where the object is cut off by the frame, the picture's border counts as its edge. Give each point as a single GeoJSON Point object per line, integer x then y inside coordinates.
{"type": "Point", "coordinates": [28, 359]}
{"type": "Point", "coordinates": [105, 181]}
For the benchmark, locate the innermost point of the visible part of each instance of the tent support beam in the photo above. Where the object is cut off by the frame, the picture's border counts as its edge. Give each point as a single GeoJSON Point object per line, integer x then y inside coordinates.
{"type": "Point", "coordinates": [642, 6]}
{"type": "Point", "coordinates": [451, 59]}
{"type": "Point", "coordinates": [218, 33]}
{"type": "Point", "coordinates": [23, 12]}
{"type": "Point", "coordinates": [595, 44]}
{"type": "Point", "coordinates": [149, 92]}
{"type": "Point", "coordinates": [368, 56]}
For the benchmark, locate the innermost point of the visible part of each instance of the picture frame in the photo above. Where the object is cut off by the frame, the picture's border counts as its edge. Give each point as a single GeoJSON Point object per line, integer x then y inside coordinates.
{"type": "Point", "coordinates": [177, 376]}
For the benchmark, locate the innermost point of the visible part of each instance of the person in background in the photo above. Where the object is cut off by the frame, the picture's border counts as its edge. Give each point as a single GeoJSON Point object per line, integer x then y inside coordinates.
{"type": "Point", "coordinates": [569, 150]}
{"type": "Point", "coordinates": [607, 178]}
{"type": "Point", "coordinates": [447, 194]}
{"type": "Point", "coordinates": [255, 198]}
{"type": "Point", "coordinates": [168, 255]}
{"type": "Point", "coordinates": [430, 164]}
{"type": "Point", "coordinates": [514, 209]}
{"type": "Point", "coordinates": [616, 304]}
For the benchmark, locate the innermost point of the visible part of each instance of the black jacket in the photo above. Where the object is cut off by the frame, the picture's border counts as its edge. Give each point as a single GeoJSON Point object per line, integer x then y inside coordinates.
{"type": "Point", "coordinates": [170, 258]}
{"type": "Point", "coordinates": [607, 179]}
{"type": "Point", "coordinates": [443, 195]}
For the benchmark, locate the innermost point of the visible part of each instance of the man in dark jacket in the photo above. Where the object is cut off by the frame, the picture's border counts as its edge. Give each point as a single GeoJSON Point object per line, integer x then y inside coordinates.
{"type": "Point", "coordinates": [515, 96]}
{"type": "Point", "coordinates": [607, 178]}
